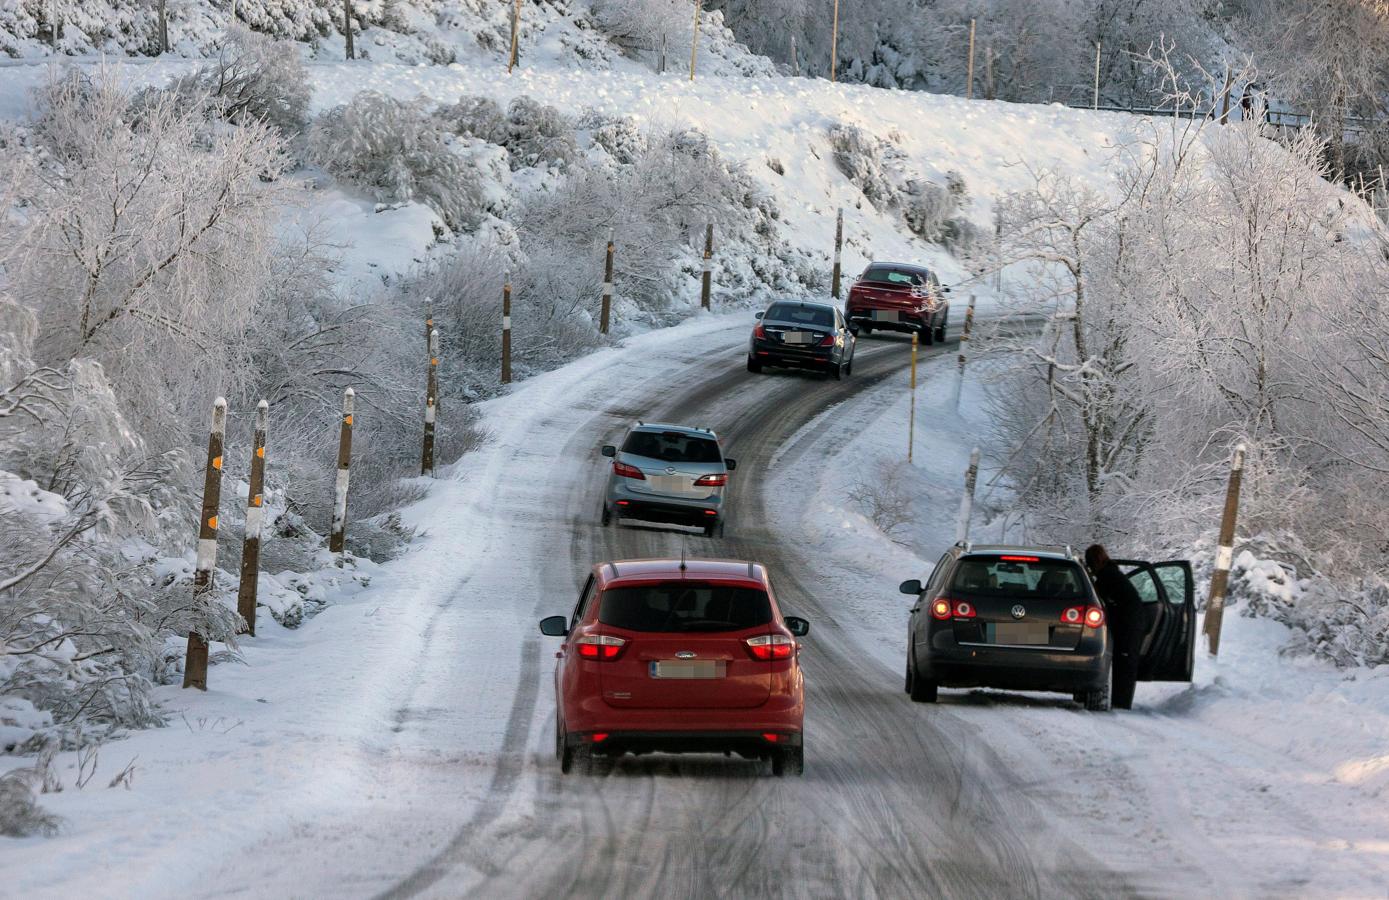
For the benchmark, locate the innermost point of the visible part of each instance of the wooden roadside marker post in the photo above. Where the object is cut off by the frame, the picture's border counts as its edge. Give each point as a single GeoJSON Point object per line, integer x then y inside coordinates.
{"type": "Point", "coordinates": [834, 43]}
{"type": "Point", "coordinates": [605, 313]}
{"type": "Point", "coordinates": [694, 40]}
{"type": "Point", "coordinates": [1225, 97]}
{"type": "Point", "coordinates": [337, 538]}
{"type": "Point", "coordinates": [838, 251]}
{"type": "Point", "coordinates": [431, 406]}
{"type": "Point", "coordinates": [247, 591]}
{"type": "Point", "coordinates": [195, 661]}
{"type": "Point", "coordinates": [911, 416]}
{"type": "Point", "coordinates": [1224, 554]}
{"type": "Point", "coordinates": [506, 330]}
{"type": "Point", "coordinates": [347, 27]}
{"type": "Point", "coordinates": [969, 79]}
{"type": "Point", "coordinates": [967, 501]}
{"type": "Point", "coordinates": [515, 55]}
{"type": "Point", "coordinates": [964, 345]}
{"type": "Point", "coordinates": [707, 273]}
{"type": "Point", "coordinates": [1096, 104]}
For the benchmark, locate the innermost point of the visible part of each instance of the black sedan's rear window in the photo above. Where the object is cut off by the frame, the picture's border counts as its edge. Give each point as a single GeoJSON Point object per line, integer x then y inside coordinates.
{"type": "Point", "coordinates": [1018, 575]}
{"type": "Point", "coordinates": [800, 315]}
{"type": "Point", "coordinates": [684, 606]}
{"type": "Point", "coordinates": [673, 446]}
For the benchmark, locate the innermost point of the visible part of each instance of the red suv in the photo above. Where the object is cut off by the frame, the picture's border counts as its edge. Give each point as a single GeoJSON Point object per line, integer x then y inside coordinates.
{"type": "Point", "coordinates": [675, 656]}
{"type": "Point", "coordinates": [899, 297]}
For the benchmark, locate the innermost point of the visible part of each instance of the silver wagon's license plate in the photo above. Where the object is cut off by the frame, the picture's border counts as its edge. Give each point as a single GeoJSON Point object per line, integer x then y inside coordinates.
{"type": "Point", "coordinates": [885, 315]}
{"type": "Point", "coordinates": [688, 668]}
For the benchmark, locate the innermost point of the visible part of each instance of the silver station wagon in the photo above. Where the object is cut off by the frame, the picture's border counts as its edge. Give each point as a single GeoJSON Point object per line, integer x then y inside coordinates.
{"type": "Point", "coordinates": [672, 474]}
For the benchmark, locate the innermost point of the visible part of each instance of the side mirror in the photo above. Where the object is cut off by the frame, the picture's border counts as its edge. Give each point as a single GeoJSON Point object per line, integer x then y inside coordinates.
{"type": "Point", "coordinates": [945, 289]}
{"type": "Point", "coordinates": [912, 587]}
{"type": "Point", "coordinates": [730, 464]}
{"type": "Point", "coordinates": [759, 315]}
{"type": "Point", "coordinates": [609, 450]}
{"type": "Point", "coordinates": [797, 626]}
{"type": "Point", "coordinates": [554, 626]}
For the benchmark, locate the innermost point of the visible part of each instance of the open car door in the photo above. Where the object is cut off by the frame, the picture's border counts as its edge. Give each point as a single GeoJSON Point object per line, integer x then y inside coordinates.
{"type": "Point", "coordinates": [1169, 624]}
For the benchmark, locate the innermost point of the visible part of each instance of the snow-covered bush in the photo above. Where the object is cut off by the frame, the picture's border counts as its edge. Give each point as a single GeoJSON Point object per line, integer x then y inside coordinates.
{"type": "Point", "coordinates": [20, 814]}
{"type": "Point", "coordinates": [533, 133]}
{"type": "Point", "coordinates": [622, 138]}
{"type": "Point", "coordinates": [252, 77]}
{"type": "Point", "coordinates": [641, 24]}
{"type": "Point", "coordinates": [397, 152]}
{"type": "Point", "coordinates": [859, 155]}
{"type": "Point", "coordinates": [883, 495]}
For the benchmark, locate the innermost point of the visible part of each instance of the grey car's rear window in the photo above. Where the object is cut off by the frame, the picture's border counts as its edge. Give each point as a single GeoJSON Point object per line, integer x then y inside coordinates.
{"type": "Point", "coordinates": [1018, 575]}
{"type": "Point", "coordinates": [684, 606]}
{"type": "Point", "coordinates": [673, 446]}
{"type": "Point", "coordinates": [892, 275]}
{"type": "Point", "coordinates": [800, 315]}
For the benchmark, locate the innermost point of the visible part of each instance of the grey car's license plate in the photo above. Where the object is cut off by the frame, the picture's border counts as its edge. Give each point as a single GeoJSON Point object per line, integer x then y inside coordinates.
{"type": "Point", "coordinates": [1022, 633]}
{"type": "Point", "coordinates": [885, 315]}
{"type": "Point", "coordinates": [688, 668]}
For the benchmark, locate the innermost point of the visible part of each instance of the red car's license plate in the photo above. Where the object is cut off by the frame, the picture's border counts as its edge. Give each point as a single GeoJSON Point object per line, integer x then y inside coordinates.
{"type": "Point", "coordinates": [885, 315]}
{"type": "Point", "coordinates": [688, 668]}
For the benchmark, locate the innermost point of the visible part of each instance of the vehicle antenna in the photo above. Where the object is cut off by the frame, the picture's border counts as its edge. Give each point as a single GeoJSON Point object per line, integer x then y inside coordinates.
{"type": "Point", "coordinates": [682, 553]}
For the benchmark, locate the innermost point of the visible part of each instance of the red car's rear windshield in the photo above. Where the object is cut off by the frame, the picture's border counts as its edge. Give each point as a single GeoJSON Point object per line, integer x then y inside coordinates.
{"type": "Point", "coordinates": [1018, 575]}
{"type": "Point", "coordinates": [891, 275]}
{"type": "Point", "coordinates": [683, 606]}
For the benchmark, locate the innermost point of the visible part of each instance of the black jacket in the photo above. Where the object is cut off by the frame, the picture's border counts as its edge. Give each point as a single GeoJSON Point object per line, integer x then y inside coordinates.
{"type": "Point", "coordinates": [1123, 608]}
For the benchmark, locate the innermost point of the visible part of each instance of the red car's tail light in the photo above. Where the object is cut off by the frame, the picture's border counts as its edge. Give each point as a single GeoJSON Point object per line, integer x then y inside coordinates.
{"type": "Point", "coordinates": [622, 470]}
{"type": "Point", "coordinates": [771, 646]}
{"type": "Point", "coordinates": [598, 737]}
{"type": "Point", "coordinates": [1089, 616]}
{"type": "Point", "coordinates": [600, 646]}
{"type": "Point", "coordinates": [711, 481]}
{"type": "Point", "coordinates": [770, 737]}
{"type": "Point", "coordinates": [940, 609]}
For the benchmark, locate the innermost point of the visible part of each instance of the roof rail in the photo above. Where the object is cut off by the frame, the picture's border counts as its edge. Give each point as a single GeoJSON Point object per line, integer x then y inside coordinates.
{"type": "Point", "coordinates": [751, 573]}
{"type": "Point", "coordinates": [1070, 554]}
{"type": "Point", "coordinates": [613, 566]}
{"type": "Point", "coordinates": [964, 545]}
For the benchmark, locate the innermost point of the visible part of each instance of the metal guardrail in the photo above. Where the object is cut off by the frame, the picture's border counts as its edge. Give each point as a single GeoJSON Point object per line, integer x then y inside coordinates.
{"type": "Point", "coordinates": [1275, 117]}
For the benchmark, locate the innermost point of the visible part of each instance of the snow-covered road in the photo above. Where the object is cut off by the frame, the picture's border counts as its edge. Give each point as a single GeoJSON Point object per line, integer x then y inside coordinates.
{"type": "Point", "coordinates": [400, 744]}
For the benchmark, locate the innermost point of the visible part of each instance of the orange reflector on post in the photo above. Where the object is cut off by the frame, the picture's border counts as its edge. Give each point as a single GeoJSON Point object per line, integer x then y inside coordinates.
{"type": "Point", "coordinates": [260, 451]}
{"type": "Point", "coordinates": [347, 420]}
{"type": "Point", "coordinates": [217, 462]}
{"type": "Point", "coordinates": [212, 522]}
{"type": "Point", "coordinates": [255, 501]}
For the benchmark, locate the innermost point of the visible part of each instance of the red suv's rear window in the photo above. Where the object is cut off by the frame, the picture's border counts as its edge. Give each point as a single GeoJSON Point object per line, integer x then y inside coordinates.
{"type": "Point", "coordinates": [684, 606]}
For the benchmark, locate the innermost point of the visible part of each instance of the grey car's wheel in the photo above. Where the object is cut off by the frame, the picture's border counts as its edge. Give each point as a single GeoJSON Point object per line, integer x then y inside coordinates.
{"type": "Point", "coordinates": [789, 761]}
{"type": "Point", "coordinates": [927, 334]}
{"type": "Point", "coordinates": [714, 530]}
{"type": "Point", "coordinates": [922, 690]}
{"type": "Point", "coordinates": [940, 332]}
{"type": "Point", "coordinates": [606, 518]}
{"type": "Point", "coordinates": [1098, 700]}
{"type": "Point", "coordinates": [837, 371]}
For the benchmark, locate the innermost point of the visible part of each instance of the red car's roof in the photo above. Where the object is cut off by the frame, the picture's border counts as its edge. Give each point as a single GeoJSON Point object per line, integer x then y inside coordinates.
{"type": "Point", "coordinates": [623, 570]}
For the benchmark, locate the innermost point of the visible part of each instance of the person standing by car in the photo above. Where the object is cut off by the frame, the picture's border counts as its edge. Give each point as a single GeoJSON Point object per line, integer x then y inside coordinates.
{"type": "Point", "coordinates": [1123, 610]}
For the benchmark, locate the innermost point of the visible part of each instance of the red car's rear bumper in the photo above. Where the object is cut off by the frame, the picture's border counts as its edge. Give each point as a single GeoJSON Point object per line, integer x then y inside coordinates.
{"type": "Point", "coordinates": [781, 713]}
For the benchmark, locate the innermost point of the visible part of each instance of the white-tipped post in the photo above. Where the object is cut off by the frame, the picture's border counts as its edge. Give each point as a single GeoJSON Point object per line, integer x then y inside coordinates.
{"type": "Point", "coordinates": [967, 500]}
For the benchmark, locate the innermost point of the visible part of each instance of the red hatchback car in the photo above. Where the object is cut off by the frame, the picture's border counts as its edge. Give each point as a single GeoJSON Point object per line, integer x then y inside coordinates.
{"type": "Point", "coordinates": [676, 656]}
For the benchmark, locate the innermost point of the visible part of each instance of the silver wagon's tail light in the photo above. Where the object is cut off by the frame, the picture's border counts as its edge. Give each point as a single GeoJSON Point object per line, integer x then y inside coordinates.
{"type": "Point", "coordinates": [600, 646]}
{"type": "Point", "coordinates": [622, 470]}
{"type": "Point", "coordinates": [712, 481]}
{"type": "Point", "coordinates": [771, 646]}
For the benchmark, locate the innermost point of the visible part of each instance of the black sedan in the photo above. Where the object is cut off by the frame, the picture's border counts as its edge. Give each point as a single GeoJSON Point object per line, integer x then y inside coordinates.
{"type": "Point", "coordinates": [804, 335]}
